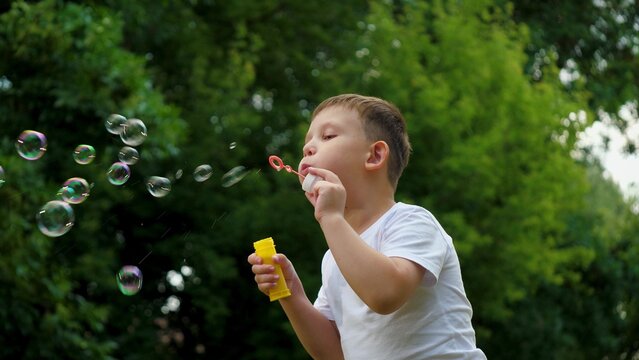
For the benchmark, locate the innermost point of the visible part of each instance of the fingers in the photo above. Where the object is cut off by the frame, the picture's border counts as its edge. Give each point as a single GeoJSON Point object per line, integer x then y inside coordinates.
{"type": "Point", "coordinates": [265, 276]}
{"type": "Point", "coordinates": [326, 175]}
{"type": "Point", "coordinates": [253, 259]}
{"type": "Point", "coordinates": [281, 260]}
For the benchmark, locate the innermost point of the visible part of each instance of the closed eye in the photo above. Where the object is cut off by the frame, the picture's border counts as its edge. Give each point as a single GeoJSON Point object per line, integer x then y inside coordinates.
{"type": "Point", "coordinates": [328, 137]}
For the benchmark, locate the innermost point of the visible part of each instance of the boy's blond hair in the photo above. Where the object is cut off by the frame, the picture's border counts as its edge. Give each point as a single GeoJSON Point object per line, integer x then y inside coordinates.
{"type": "Point", "coordinates": [381, 121]}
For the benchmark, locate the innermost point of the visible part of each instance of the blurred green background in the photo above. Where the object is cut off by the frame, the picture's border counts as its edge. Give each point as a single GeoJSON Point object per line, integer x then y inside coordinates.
{"type": "Point", "coordinates": [548, 244]}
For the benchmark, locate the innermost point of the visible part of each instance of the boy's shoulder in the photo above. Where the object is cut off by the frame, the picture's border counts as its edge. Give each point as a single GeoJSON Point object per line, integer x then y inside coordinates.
{"type": "Point", "coordinates": [404, 208]}
{"type": "Point", "coordinates": [403, 211]}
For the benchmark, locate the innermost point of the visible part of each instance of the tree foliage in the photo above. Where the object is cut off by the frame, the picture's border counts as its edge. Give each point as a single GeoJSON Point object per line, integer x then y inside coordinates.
{"type": "Point", "coordinates": [597, 44]}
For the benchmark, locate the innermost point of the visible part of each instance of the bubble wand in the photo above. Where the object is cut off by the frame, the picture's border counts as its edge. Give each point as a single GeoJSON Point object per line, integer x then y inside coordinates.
{"type": "Point", "coordinates": [309, 180]}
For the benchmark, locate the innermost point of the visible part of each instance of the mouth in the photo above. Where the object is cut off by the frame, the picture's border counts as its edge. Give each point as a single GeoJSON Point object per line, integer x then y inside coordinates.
{"type": "Point", "coordinates": [304, 169]}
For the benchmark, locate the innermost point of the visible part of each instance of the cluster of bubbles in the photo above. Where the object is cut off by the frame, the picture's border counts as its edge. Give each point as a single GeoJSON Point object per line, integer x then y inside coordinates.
{"type": "Point", "coordinates": [132, 132]}
{"type": "Point", "coordinates": [57, 217]}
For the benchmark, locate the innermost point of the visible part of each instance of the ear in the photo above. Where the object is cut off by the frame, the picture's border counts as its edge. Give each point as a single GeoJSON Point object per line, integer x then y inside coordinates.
{"type": "Point", "coordinates": [377, 155]}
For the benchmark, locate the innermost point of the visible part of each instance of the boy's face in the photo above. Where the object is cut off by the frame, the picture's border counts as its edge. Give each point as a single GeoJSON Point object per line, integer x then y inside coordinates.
{"type": "Point", "coordinates": [335, 141]}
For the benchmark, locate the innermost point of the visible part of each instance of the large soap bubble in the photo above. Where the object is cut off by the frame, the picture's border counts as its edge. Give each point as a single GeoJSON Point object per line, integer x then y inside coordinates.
{"type": "Point", "coordinates": [55, 218]}
{"type": "Point", "coordinates": [118, 173]}
{"type": "Point", "coordinates": [134, 132]}
{"type": "Point", "coordinates": [128, 155]}
{"type": "Point", "coordinates": [234, 176]}
{"type": "Point", "coordinates": [31, 145]}
{"type": "Point", "coordinates": [158, 186]}
{"type": "Point", "coordinates": [75, 190]}
{"type": "Point", "coordinates": [202, 173]}
{"type": "Point", "coordinates": [115, 124]}
{"type": "Point", "coordinates": [84, 154]}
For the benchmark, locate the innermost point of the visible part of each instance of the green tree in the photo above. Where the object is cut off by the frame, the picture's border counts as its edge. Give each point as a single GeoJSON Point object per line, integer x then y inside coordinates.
{"type": "Point", "coordinates": [596, 42]}
{"type": "Point", "coordinates": [592, 313]}
{"type": "Point", "coordinates": [63, 73]}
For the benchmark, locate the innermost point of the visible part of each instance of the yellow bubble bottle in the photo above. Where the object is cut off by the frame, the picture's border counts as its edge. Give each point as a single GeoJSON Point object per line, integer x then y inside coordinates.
{"type": "Point", "coordinates": [265, 249]}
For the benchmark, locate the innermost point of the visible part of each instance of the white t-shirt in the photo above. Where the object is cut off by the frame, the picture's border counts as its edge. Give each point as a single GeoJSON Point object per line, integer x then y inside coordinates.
{"type": "Point", "coordinates": [435, 323]}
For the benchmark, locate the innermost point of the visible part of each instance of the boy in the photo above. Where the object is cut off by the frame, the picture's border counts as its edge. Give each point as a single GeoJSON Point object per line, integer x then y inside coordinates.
{"type": "Point", "coordinates": [391, 281]}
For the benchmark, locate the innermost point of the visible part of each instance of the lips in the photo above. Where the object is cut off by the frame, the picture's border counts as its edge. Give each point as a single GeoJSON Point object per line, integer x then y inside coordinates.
{"type": "Point", "coordinates": [304, 169]}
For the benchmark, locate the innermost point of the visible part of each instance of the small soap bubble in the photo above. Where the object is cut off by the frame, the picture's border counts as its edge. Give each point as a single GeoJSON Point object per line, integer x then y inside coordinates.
{"type": "Point", "coordinates": [84, 154]}
{"type": "Point", "coordinates": [31, 145]}
{"type": "Point", "coordinates": [158, 186]}
{"type": "Point", "coordinates": [129, 280]}
{"type": "Point", "coordinates": [128, 155]}
{"type": "Point", "coordinates": [118, 173]}
{"type": "Point", "coordinates": [202, 173]}
{"type": "Point", "coordinates": [232, 145]}
{"type": "Point", "coordinates": [134, 132]}
{"type": "Point", "coordinates": [55, 218]}
{"type": "Point", "coordinates": [1, 176]}
{"type": "Point", "coordinates": [178, 174]}
{"type": "Point", "coordinates": [75, 190]}
{"type": "Point", "coordinates": [234, 176]}
{"type": "Point", "coordinates": [115, 123]}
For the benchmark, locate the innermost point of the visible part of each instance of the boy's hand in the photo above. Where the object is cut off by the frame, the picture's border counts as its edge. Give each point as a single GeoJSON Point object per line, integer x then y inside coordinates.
{"type": "Point", "coordinates": [328, 195]}
{"type": "Point", "coordinates": [266, 278]}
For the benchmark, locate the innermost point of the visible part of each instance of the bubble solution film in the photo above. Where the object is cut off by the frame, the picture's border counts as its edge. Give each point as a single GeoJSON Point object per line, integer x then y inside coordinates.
{"type": "Point", "coordinates": [128, 155]}
{"type": "Point", "coordinates": [55, 218]}
{"type": "Point", "coordinates": [118, 173]}
{"type": "Point", "coordinates": [84, 154]}
{"type": "Point", "coordinates": [133, 132]}
{"type": "Point", "coordinates": [75, 190]}
{"type": "Point", "coordinates": [129, 280]}
{"type": "Point", "coordinates": [31, 145]}
{"type": "Point", "coordinates": [115, 124]}
{"type": "Point", "coordinates": [158, 186]}
{"type": "Point", "coordinates": [202, 173]}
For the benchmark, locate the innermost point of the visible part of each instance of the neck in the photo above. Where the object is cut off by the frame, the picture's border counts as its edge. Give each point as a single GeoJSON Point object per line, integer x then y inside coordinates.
{"type": "Point", "coordinates": [363, 210]}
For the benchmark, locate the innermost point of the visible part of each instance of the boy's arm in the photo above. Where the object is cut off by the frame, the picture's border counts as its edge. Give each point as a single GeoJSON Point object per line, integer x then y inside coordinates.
{"type": "Point", "coordinates": [318, 335]}
{"type": "Point", "coordinates": [383, 283]}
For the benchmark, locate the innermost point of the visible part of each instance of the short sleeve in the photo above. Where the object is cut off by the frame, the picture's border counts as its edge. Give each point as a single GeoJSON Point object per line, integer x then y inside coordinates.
{"type": "Point", "coordinates": [415, 235]}
{"type": "Point", "coordinates": [321, 304]}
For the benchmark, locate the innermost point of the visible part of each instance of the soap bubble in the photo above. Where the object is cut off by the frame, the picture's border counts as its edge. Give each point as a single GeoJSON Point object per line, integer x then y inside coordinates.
{"type": "Point", "coordinates": [234, 176]}
{"type": "Point", "coordinates": [75, 190]}
{"type": "Point", "coordinates": [1, 176]}
{"type": "Point", "coordinates": [31, 145]}
{"type": "Point", "coordinates": [178, 174]}
{"type": "Point", "coordinates": [134, 132]}
{"type": "Point", "coordinates": [84, 154]}
{"type": "Point", "coordinates": [118, 173]}
{"type": "Point", "coordinates": [129, 280]}
{"type": "Point", "coordinates": [158, 186]}
{"type": "Point", "coordinates": [128, 155]}
{"type": "Point", "coordinates": [232, 145]}
{"type": "Point", "coordinates": [55, 218]}
{"type": "Point", "coordinates": [202, 172]}
{"type": "Point", "coordinates": [64, 192]}
{"type": "Point", "coordinates": [115, 124]}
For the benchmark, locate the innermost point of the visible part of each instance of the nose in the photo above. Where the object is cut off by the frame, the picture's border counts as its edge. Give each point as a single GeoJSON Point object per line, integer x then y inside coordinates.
{"type": "Point", "coordinates": [308, 149]}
